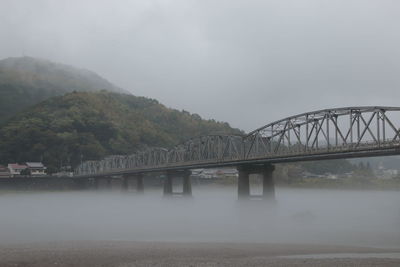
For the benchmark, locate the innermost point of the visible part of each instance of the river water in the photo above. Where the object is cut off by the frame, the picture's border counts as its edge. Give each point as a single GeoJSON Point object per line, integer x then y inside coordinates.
{"type": "Point", "coordinates": [313, 216]}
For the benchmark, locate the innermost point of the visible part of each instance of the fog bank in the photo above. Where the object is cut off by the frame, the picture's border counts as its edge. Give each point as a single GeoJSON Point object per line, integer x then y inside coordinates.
{"type": "Point", "coordinates": [359, 218]}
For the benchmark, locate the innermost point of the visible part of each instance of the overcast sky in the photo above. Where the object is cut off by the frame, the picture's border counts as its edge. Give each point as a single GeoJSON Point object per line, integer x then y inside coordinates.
{"type": "Point", "coordinates": [244, 62]}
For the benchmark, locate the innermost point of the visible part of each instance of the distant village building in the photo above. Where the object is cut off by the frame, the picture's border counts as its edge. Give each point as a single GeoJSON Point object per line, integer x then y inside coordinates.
{"type": "Point", "coordinates": [4, 172]}
{"type": "Point", "coordinates": [208, 174]}
{"type": "Point", "coordinates": [29, 168]}
{"type": "Point", "coordinates": [16, 169]}
{"type": "Point", "coordinates": [214, 173]}
{"type": "Point", "coordinates": [306, 174]}
{"type": "Point", "coordinates": [36, 168]}
{"type": "Point", "coordinates": [383, 173]}
{"type": "Point", "coordinates": [331, 176]}
{"type": "Point", "coordinates": [326, 175]}
{"type": "Point", "coordinates": [196, 172]}
{"type": "Point", "coordinates": [388, 174]}
{"type": "Point", "coordinates": [228, 172]}
{"type": "Point", "coordinates": [63, 174]}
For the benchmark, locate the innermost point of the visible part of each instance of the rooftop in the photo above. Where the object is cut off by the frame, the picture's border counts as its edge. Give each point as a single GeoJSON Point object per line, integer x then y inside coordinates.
{"type": "Point", "coordinates": [35, 164]}
{"type": "Point", "coordinates": [16, 166]}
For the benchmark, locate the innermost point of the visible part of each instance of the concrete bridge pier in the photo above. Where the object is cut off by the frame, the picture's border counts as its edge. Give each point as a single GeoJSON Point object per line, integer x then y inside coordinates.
{"type": "Point", "coordinates": [82, 184]}
{"type": "Point", "coordinates": [168, 184]}
{"type": "Point", "coordinates": [102, 183]}
{"type": "Point", "coordinates": [124, 183]}
{"type": "Point", "coordinates": [139, 182]}
{"type": "Point", "coordinates": [186, 183]}
{"type": "Point", "coordinates": [268, 182]}
{"type": "Point", "coordinates": [109, 183]}
{"type": "Point", "coordinates": [244, 182]}
{"type": "Point", "coordinates": [95, 184]}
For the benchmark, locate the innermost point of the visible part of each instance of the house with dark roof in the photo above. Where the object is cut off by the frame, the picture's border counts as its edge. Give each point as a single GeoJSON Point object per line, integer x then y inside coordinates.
{"type": "Point", "coordinates": [36, 168]}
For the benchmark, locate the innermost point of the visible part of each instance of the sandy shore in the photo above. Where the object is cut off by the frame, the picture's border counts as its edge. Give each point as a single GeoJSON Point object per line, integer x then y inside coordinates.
{"type": "Point", "coordinates": [124, 254]}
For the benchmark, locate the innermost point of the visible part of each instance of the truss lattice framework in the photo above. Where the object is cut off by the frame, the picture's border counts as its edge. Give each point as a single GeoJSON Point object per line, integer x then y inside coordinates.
{"type": "Point", "coordinates": [318, 132]}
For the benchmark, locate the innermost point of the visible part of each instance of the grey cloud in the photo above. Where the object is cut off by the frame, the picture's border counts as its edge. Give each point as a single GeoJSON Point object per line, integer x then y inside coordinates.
{"type": "Point", "coordinates": [245, 62]}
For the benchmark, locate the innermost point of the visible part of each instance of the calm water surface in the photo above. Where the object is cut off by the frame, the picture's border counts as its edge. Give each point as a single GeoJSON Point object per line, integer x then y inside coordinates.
{"type": "Point", "coordinates": [359, 218]}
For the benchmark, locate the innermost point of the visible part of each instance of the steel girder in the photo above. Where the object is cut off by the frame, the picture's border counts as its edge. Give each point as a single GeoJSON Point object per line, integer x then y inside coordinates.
{"type": "Point", "coordinates": [339, 130]}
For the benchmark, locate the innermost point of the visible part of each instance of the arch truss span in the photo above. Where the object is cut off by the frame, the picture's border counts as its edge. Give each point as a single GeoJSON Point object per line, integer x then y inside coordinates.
{"type": "Point", "coordinates": [329, 130]}
{"type": "Point", "coordinates": [339, 130]}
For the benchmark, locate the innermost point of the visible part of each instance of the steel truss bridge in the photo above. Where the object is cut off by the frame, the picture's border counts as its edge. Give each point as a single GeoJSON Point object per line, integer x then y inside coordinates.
{"type": "Point", "coordinates": [324, 134]}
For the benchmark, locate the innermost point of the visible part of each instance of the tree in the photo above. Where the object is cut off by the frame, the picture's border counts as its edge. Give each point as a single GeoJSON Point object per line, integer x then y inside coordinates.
{"type": "Point", "coordinates": [96, 125]}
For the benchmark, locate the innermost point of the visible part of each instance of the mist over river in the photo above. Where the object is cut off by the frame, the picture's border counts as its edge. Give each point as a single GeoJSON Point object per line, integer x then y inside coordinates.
{"type": "Point", "coordinates": [337, 217]}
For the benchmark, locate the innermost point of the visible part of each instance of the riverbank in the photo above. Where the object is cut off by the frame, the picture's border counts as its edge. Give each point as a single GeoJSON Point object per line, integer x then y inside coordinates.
{"type": "Point", "coordinates": [124, 254]}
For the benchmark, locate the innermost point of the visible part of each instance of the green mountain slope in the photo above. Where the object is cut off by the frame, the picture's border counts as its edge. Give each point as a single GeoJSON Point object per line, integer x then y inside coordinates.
{"type": "Point", "coordinates": [26, 81]}
{"type": "Point", "coordinates": [90, 125]}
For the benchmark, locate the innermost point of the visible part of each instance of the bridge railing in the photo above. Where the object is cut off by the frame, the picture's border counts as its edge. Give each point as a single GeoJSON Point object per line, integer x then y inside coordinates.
{"type": "Point", "coordinates": [151, 159]}
{"type": "Point", "coordinates": [326, 131]}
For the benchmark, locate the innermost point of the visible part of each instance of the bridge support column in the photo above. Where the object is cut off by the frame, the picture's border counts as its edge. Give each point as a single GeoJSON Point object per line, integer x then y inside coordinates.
{"type": "Point", "coordinates": [125, 183]}
{"type": "Point", "coordinates": [139, 183]}
{"type": "Point", "coordinates": [82, 184]}
{"type": "Point", "coordinates": [168, 184]}
{"type": "Point", "coordinates": [108, 183]}
{"type": "Point", "coordinates": [243, 183]}
{"type": "Point", "coordinates": [95, 183]}
{"type": "Point", "coordinates": [268, 182]}
{"type": "Point", "coordinates": [102, 183]}
{"type": "Point", "coordinates": [186, 183]}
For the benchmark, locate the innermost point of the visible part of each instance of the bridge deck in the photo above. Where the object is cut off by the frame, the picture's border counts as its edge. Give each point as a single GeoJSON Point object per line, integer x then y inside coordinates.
{"type": "Point", "coordinates": [357, 153]}
{"type": "Point", "coordinates": [319, 135]}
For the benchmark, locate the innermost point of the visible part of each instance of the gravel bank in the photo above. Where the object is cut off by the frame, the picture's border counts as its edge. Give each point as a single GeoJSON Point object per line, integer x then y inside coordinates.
{"type": "Point", "coordinates": [124, 254]}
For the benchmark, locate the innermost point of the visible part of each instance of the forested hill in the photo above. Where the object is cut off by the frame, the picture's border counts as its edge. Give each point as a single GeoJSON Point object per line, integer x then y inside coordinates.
{"type": "Point", "coordinates": [26, 81]}
{"type": "Point", "coordinates": [90, 125]}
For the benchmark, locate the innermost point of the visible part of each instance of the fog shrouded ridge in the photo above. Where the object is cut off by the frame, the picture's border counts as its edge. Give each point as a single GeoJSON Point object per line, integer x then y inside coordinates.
{"type": "Point", "coordinates": [356, 218]}
{"type": "Point", "coordinates": [244, 62]}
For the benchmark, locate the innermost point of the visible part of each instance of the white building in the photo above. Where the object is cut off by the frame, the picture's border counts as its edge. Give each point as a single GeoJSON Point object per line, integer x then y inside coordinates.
{"type": "Point", "coordinates": [16, 169]}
